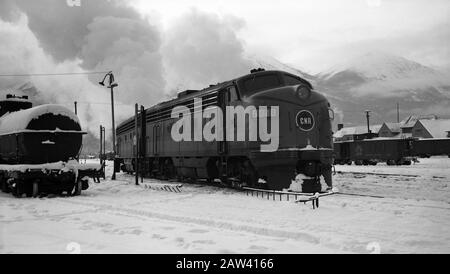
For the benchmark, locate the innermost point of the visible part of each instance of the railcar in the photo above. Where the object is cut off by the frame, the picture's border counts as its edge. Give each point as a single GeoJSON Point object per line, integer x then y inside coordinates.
{"type": "Point", "coordinates": [393, 151]}
{"type": "Point", "coordinates": [426, 148]}
{"type": "Point", "coordinates": [38, 149]}
{"type": "Point", "coordinates": [304, 146]}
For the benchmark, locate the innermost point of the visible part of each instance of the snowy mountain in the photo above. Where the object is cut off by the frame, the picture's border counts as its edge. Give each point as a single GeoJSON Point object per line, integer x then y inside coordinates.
{"type": "Point", "coordinates": [270, 63]}
{"type": "Point", "coordinates": [369, 73]}
{"type": "Point", "coordinates": [377, 81]}
{"type": "Point", "coordinates": [380, 66]}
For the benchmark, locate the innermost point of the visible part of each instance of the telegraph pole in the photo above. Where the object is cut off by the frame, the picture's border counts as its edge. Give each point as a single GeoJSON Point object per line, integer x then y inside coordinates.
{"type": "Point", "coordinates": [76, 112]}
{"type": "Point", "coordinates": [368, 120]}
{"type": "Point", "coordinates": [398, 112]}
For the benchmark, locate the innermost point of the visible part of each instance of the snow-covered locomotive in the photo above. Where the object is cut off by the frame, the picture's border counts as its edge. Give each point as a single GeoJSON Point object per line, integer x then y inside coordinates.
{"type": "Point", "coordinates": [38, 149]}
{"type": "Point", "coordinates": [304, 150]}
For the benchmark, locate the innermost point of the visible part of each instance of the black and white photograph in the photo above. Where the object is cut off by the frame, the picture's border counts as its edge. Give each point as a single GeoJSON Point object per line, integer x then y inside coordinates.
{"type": "Point", "coordinates": [225, 127]}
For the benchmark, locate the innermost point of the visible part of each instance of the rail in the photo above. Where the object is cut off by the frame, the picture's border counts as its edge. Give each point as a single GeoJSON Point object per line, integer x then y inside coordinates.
{"type": "Point", "coordinates": [274, 194]}
{"type": "Point", "coordinates": [164, 187]}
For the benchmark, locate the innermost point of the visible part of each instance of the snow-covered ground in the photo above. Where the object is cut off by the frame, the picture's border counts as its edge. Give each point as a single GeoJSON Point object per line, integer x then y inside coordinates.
{"type": "Point", "coordinates": [119, 217]}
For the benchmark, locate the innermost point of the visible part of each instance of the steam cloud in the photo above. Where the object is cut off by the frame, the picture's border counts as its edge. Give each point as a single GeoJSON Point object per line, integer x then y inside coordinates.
{"type": "Point", "coordinates": [202, 49]}
{"type": "Point", "coordinates": [48, 36]}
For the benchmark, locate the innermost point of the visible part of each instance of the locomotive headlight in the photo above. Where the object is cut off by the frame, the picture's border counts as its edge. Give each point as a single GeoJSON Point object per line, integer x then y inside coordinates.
{"type": "Point", "coordinates": [303, 92]}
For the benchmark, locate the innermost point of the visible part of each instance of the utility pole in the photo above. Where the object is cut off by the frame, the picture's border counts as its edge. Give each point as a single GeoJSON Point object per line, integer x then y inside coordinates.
{"type": "Point", "coordinates": [103, 149]}
{"type": "Point", "coordinates": [112, 85]}
{"type": "Point", "coordinates": [104, 152]}
{"type": "Point", "coordinates": [76, 112]}
{"type": "Point", "coordinates": [398, 112]}
{"type": "Point", "coordinates": [136, 143]}
{"type": "Point", "coordinates": [143, 146]}
{"type": "Point", "coordinates": [368, 120]}
{"type": "Point", "coordinates": [101, 145]}
{"type": "Point", "coordinates": [113, 177]}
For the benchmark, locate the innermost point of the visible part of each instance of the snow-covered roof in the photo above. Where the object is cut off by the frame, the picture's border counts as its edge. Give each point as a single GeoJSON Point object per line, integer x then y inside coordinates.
{"type": "Point", "coordinates": [437, 128]}
{"type": "Point", "coordinates": [16, 100]}
{"type": "Point", "coordinates": [411, 121]}
{"type": "Point", "coordinates": [356, 131]}
{"type": "Point", "coordinates": [19, 121]}
{"type": "Point", "coordinates": [394, 127]}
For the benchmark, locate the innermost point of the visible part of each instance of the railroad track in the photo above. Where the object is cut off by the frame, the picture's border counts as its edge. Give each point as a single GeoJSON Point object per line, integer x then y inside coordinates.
{"type": "Point", "coordinates": [377, 174]}
{"type": "Point", "coordinates": [272, 195]}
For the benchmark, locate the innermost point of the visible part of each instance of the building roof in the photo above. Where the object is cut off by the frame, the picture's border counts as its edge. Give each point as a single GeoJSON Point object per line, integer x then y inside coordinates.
{"type": "Point", "coordinates": [356, 131]}
{"type": "Point", "coordinates": [437, 128]}
{"type": "Point", "coordinates": [394, 127]}
{"type": "Point", "coordinates": [19, 121]}
{"type": "Point", "coordinates": [411, 121]}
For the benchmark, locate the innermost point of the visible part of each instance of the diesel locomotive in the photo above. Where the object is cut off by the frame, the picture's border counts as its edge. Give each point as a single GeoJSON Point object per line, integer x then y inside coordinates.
{"type": "Point", "coordinates": [304, 145]}
{"type": "Point", "coordinates": [38, 149]}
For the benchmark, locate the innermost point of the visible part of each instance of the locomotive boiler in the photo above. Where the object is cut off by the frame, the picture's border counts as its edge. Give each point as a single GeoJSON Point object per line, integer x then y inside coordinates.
{"type": "Point", "coordinates": [303, 146]}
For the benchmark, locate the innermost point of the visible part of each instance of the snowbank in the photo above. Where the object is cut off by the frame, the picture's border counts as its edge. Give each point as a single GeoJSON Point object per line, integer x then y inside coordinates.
{"type": "Point", "coordinates": [120, 217]}
{"type": "Point", "coordinates": [18, 121]}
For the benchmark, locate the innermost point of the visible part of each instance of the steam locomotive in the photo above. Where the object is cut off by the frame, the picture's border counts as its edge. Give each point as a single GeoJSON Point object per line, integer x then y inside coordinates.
{"type": "Point", "coordinates": [304, 145]}
{"type": "Point", "coordinates": [38, 149]}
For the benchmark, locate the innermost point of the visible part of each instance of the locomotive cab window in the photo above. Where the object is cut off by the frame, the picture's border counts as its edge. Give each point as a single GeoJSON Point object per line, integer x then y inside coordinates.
{"type": "Point", "coordinates": [291, 80]}
{"type": "Point", "coordinates": [257, 83]}
{"type": "Point", "coordinates": [232, 95]}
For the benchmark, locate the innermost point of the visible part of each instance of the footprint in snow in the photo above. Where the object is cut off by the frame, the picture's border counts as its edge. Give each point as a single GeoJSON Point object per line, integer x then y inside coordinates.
{"type": "Point", "coordinates": [200, 231]}
{"type": "Point", "coordinates": [206, 242]}
{"type": "Point", "coordinates": [159, 237]}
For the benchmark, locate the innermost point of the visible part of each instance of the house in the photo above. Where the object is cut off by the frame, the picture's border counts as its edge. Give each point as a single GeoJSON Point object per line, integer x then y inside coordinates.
{"type": "Point", "coordinates": [408, 124]}
{"type": "Point", "coordinates": [390, 130]}
{"type": "Point", "coordinates": [431, 129]}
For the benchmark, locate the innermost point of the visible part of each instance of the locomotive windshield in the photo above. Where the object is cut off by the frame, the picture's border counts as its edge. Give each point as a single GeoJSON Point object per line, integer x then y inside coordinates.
{"type": "Point", "coordinates": [261, 82]}
{"type": "Point", "coordinates": [255, 83]}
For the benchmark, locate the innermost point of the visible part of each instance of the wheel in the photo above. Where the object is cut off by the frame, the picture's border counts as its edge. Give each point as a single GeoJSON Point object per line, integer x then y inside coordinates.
{"type": "Point", "coordinates": [5, 187]}
{"type": "Point", "coordinates": [248, 174]}
{"type": "Point", "coordinates": [35, 192]}
{"type": "Point", "coordinates": [78, 188]}
{"type": "Point", "coordinates": [18, 189]}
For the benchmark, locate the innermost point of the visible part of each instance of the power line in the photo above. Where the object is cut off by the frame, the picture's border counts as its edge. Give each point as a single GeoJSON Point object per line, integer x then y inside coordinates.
{"type": "Point", "coordinates": [53, 74]}
{"type": "Point", "coordinates": [95, 103]}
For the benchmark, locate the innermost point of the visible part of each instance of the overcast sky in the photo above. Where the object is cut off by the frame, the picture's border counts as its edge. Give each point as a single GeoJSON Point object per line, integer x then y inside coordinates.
{"type": "Point", "coordinates": [313, 34]}
{"type": "Point", "coordinates": [159, 47]}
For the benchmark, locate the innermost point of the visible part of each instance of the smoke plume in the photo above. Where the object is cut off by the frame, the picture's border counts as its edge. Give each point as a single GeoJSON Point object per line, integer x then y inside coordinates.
{"type": "Point", "coordinates": [201, 49]}
{"type": "Point", "coordinates": [149, 64]}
